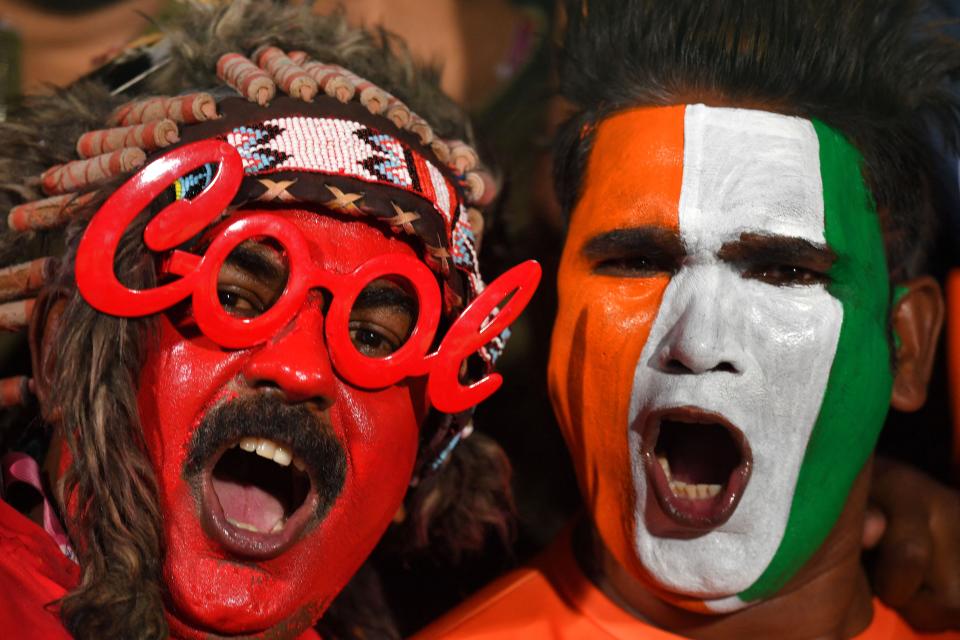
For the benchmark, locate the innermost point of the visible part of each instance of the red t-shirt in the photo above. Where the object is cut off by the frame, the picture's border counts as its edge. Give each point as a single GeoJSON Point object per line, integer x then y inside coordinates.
{"type": "Point", "coordinates": [552, 599]}
{"type": "Point", "coordinates": [34, 573]}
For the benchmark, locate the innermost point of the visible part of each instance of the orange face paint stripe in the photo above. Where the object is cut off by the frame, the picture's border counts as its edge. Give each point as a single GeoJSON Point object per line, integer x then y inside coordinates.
{"type": "Point", "coordinates": [590, 386]}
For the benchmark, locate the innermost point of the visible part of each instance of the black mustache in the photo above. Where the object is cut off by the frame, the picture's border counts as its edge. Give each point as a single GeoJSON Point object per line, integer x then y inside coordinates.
{"type": "Point", "coordinates": [265, 416]}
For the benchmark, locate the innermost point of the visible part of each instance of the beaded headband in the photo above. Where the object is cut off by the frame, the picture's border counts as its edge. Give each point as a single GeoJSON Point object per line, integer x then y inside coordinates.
{"type": "Point", "coordinates": [340, 156]}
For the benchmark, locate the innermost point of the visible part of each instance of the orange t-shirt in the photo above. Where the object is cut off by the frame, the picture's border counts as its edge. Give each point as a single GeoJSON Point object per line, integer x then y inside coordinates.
{"type": "Point", "coordinates": [552, 599]}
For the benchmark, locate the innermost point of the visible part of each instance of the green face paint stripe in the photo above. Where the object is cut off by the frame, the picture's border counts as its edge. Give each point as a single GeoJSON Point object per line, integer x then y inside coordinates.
{"type": "Point", "coordinates": [857, 396]}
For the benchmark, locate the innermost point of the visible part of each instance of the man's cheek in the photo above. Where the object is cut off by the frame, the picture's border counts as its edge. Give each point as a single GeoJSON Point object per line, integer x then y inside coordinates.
{"type": "Point", "coordinates": [597, 339]}
{"type": "Point", "coordinates": [178, 383]}
{"type": "Point", "coordinates": [599, 336]}
{"type": "Point", "coordinates": [380, 431]}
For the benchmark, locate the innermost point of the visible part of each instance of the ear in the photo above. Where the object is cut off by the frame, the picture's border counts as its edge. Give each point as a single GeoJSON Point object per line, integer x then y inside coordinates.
{"type": "Point", "coordinates": [916, 319]}
{"type": "Point", "coordinates": [44, 324]}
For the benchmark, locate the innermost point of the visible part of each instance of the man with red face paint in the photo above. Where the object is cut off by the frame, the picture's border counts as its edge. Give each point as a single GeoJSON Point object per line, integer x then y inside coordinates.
{"type": "Point", "coordinates": [268, 322]}
{"type": "Point", "coordinates": [741, 299]}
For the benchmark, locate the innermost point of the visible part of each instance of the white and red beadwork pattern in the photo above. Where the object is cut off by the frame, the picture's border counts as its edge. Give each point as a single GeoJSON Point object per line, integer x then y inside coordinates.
{"type": "Point", "coordinates": [463, 247]}
{"type": "Point", "coordinates": [342, 147]}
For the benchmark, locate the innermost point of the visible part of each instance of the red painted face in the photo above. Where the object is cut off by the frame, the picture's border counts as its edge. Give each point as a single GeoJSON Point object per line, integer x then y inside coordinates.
{"type": "Point", "coordinates": [197, 401]}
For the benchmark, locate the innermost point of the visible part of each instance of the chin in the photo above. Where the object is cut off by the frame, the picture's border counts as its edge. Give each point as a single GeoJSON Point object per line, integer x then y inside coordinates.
{"type": "Point", "coordinates": [210, 590]}
{"type": "Point", "coordinates": [229, 598]}
{"type": "Point", "coordinates": [715, 604]}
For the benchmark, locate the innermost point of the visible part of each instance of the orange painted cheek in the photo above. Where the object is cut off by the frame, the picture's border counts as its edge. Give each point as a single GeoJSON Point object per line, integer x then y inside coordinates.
{"type": "Point", "coordinates": [600, 332]}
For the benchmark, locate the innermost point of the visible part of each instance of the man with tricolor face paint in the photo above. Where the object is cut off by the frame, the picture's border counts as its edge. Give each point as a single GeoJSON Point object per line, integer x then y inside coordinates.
{"type": "Point", "coordinates": [264, 339]}
{"type": "Point", "coordinates": [741, 299]}
{"type": "Point", "coordinates": [744, 295]}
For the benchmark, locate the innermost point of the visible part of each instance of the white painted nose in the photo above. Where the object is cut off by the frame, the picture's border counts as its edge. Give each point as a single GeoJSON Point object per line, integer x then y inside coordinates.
{"type": "Point", "coordinates": [704, 318]}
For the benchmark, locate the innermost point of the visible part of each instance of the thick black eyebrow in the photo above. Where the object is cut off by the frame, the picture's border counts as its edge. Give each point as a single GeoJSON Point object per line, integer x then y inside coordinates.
{"type": "Point", "coordinates": [384, 296]}
{"type": "Point", "coordinates": [769, 249]}
{"type": "Point", "coordinates": [257, 264]}
{"type": "Point", "coordinates": [654, 242]}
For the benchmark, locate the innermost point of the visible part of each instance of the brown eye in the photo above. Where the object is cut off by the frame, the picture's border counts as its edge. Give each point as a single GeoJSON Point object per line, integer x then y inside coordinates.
{"type": "Point", "coordinates": [239, 303]}
{"type": "Point", "coordinates": [639, 252]}
{"type": "Point", "coordinates": [252, 278]}
{"type": "Point", "coordinates": [382, 318]}
{"type": "Point", "coordinates": [786, 275]}
{"type": "Point", "coordinates": [631, 267]}
{"type": "Point", "coordinates": [372, 342]}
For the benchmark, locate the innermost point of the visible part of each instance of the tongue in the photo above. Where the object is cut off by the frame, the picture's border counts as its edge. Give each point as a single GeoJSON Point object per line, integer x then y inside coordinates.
{"type": "Point", "coordinates": [248, 504]}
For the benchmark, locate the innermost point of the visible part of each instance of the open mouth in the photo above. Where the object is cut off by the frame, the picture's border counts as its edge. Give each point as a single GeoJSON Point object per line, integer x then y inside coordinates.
{"type": "Point", "coordinates": [258, 497]}
{"type": "Point", "coordinates": [698, 465]}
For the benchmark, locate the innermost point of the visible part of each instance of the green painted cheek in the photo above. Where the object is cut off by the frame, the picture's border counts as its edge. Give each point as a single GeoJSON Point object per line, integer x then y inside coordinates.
{"type": "Point", "coordinates": [857, 396]}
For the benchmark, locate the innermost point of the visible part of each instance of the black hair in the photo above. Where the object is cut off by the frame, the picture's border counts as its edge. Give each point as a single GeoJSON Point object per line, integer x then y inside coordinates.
{"type": "Point", "coordinates": [872, 69]}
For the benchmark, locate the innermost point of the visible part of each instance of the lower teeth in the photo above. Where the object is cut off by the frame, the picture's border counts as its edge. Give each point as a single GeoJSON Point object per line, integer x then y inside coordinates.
{"type": "Point", "coordinates": [249, 527]}
{"type": "Point", "coordinates": [243, 525]}
{"type": "Point", "coordinates": [690, 491]}
{"type": "Point", "coordinates": [694, 491]}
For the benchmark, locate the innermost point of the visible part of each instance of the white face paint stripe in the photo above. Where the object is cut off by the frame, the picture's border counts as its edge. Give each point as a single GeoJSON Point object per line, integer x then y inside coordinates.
{"type": "Point", "coordinates": [749, 170]}
{"type": "Point", "coordinates": [757, 172]}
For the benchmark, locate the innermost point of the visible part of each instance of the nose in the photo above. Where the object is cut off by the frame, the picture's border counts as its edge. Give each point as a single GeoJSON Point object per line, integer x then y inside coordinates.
{"type": "Point", "coordinates": [296, 361]}
{"type": "Point", "coordinates": [705, 334]}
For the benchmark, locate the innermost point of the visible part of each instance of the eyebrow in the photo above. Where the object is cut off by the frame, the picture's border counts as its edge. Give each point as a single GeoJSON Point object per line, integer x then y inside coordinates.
{"type": "Point", "coordinates": [755, 247]}
{"type": "Point", "coordinates": [655, 242]}
{"type": "Point", "coordinates": [385, 296]}
{"type": "Point", "coordinates": [257, 263]}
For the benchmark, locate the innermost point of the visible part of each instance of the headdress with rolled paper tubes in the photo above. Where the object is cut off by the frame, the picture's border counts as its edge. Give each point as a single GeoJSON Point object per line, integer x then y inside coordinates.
{"type": "Point", "coordinates": [313, 112]}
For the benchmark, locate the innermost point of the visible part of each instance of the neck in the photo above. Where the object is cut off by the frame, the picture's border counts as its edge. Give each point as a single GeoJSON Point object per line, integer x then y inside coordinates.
{"type": "Point", "coordinates": [57, 50]}
{"type": "Point", "coordinates": [828, 599]}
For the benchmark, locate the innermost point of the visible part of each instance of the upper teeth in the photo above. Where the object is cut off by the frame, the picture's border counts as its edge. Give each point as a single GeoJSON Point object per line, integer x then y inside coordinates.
{"type": "Point", "coordinates": [271, 450]}
{"type": "Point", "coordinates": [684, 490]}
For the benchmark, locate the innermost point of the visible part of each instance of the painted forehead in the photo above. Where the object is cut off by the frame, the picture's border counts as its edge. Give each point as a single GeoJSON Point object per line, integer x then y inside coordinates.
{"type": "Point", "coordinates": [336, 243]}
{"type": "Point", "coordinates": [724, 172]}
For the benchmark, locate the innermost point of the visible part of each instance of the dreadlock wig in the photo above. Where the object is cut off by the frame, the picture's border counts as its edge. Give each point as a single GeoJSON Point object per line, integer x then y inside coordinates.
{"type": "Point", "coordinates": [92, 361]}
{"type": "Point", "coordinates": [872, 70]}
